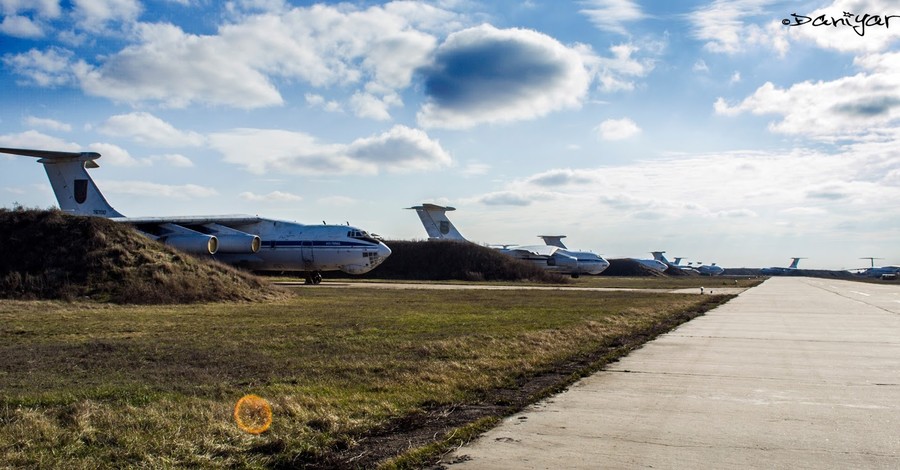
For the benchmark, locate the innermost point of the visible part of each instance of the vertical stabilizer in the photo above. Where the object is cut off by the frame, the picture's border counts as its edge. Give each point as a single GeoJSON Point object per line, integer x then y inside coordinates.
{"type": "Point", "coordinates": [659, 256]}
{"type": "Point", "coordinates": [795, 262]}
{"type": "Point", "coordinates": [436, 223]}
{"type": "Point", "coordinates": [554, 240]}
{"type": "Point", "coordinates": [75, 191]}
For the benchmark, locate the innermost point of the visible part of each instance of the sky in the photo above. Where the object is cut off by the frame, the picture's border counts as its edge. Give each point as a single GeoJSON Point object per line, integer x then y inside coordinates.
{"type": "Point", "coordinates": [741, 132]}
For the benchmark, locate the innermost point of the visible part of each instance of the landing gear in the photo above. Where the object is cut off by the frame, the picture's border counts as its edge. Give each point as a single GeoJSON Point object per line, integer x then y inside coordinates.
{"type": "Point", "coordinates": [313, 278]}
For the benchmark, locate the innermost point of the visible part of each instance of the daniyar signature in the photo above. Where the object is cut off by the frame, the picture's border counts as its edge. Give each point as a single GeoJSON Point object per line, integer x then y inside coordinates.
{"type": "Point", "coordinates": [859, 23]}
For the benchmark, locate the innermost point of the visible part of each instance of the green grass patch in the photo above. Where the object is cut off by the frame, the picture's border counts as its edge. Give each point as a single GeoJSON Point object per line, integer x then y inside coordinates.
{"type": "Point", "coordinates": [100, 385]}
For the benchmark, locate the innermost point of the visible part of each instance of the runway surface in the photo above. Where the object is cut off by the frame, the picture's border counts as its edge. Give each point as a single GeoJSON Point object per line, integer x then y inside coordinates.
{"type": "Point", "coordinates": [482, 286]}
{"type": "Point", "coordinates": [794, 373]}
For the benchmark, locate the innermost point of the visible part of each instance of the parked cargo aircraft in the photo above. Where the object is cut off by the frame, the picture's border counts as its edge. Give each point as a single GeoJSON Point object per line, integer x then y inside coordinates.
{"type": "Point", "coordinates": [880, 271]}
{"type": "Point", "coordinates": [551, 258]}
{"type": "Point", "coordinates": [249, 242]}
{"type": "Point", "coordinates": [655, 265]}
{"type": "Point", "coordinates": [700, 268]}
{"type": "Point", "coordinates": [780, 271]}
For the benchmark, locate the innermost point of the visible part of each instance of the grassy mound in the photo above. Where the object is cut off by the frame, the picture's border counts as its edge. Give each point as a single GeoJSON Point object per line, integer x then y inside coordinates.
{"type": "Point", "coordinates": [52, 255]}
{"type": "Point", "coordinates": [629, 268]}
{"type": "Point", "coordinates": [451, 260]}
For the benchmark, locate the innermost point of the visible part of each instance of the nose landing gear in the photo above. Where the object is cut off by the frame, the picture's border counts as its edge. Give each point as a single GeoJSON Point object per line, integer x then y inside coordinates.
{"type": "Point", "coordinates": [313, 278]}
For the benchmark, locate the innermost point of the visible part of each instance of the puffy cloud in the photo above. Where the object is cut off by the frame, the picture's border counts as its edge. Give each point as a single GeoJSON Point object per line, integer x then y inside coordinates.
{"type": "Point", "coordinates": [401, 149]}
{"type": "Point", "coordinates": [862, 106]}
{"type": "Point", "coordinates": [611, 15]}
{"type": "Point", "coordinates": [117, 156]}
{"type": "Point", "coordinates": [725, 26]}
{"type": "Point", "coordinates": [376, 49]}
{"type": "Point", "coordinates": [37, 140]}
{"type": "Point", "coordinates": [174, 159]}
{"type": "Point", "coordinates": [93, 15]}
{"type": "Point", "coordinates": [51, 124]}
{"type": "Point", "coordinates": [559, 177]}
{"type": "Point", "coordinates": [617, 129]}
{"type": "Point", "coordinates": [41, 8]}
{"type": "Point", "coordinates": [617, 73]}
{"type": "Point", "coordinates": [155, 190]}
{"type": "Point", "coordinates": [49, 68]}
{"type": "Point", "coordinates": [488, 75]}
{"type": "Point", "coordinates": [149, 129]}
{"type": "Point", "coordinates": [21, 27]}
{"type": "Point", "coordinates": [274, 196]}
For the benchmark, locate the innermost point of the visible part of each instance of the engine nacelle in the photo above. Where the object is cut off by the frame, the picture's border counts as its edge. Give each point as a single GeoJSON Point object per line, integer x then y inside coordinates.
{"type": "Point", "coordinates": [188, 240]}
{"type": "Point", "coordinates": [234, 241]}
{"type": "Point", "coordinates": [200, 244]}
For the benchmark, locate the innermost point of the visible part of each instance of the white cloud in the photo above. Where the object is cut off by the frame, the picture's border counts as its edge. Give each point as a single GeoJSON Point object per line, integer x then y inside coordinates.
{"type": "Point", "coordinates": [373, 51]}
{"type": "Point", "coordinates": [735, 78]}
{"type": "Point", "coordinates": [612, 15]}
{"type": "Point", "coordinates": [318, 101]}
{"type": "Point", "coordinates": [475, 168]}
{"type": "Point", "coordinates": [617, 73]}
{"type": "Point", "coordinates": [117, 156]}
{"type": "Point", "coordinates": [274, 196]}
{"type": "Point", "coordinates": [148, 129]}
{"type": "Point", "coordinates": [48, 68]}
{"type": "Point", "coordinates": [366, 105]}
{"type": "Point", "coordinates": [700, 66]}
{"type": "Point", "coordinates": [400, 149]}
{"type": "Point", "coordinates": [41, 8]}
{"type": "Point", "coordinates": [489, 75]}
{"type": "Point", "coordinates": [174, 159]}
{"type": "Point", "coordinates": [726, 26]}
{"type": "Point", "coordinates": [617, 129]}
{"type": "Point", "coordinates": [94, 15]}
{"type": "Point", "coordinates": [46, 123]}
{"type": "Point", "coordinates": [21, 27]}
{"type": "Point", "coordinates": [862, 106]}
{"type": "Point", "coordinates": [36, 140]}
{"type": "Point", "coordinates": [155, 190]}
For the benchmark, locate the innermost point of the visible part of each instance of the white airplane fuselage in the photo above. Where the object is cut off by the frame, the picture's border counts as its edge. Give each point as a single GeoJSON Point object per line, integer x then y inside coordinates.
{"type": "Point", "coordinates": [290, 246]}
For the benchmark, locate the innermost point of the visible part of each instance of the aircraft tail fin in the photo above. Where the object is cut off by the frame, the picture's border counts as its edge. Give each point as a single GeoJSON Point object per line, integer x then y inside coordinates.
{"type": "Point", "coordinates": [553, 240]}
{"type": "Point", "coordinates": [436, 223]}
{"type": "Point", "coordinates": [795, 262]}
{"type": "Point", "coordinates": [660, 256]}
{"type": "Point", "coordinates": [75, 191]}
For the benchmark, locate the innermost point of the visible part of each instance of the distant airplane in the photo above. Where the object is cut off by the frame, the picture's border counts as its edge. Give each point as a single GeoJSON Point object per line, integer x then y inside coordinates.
{"type": "Point", "coordinates": [655, 265]}
{"type": "Point", "coordinates": [699, 268]}
{"type": "Point", "coordinates": [551, 258]}
{"type": "Point", "coordinates": [880, 271]}
{"type": "Point", "coordinates": [777, 271]}
{"type": "Point", "coordinates": [245, 241]}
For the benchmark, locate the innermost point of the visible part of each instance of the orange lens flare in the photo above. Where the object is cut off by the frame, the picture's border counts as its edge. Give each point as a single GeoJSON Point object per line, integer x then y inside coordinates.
{"type": "Point", "coordinates": [253, 414]}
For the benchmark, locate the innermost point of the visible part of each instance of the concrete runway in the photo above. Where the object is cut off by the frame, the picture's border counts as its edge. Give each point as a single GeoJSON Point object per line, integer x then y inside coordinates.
{"type": "Point", "coordinates": [794, 373]}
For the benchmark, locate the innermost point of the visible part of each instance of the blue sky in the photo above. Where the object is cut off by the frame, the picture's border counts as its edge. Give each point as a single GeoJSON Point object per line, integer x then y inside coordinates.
{"type": "Point", "coordinates": [707, 129]}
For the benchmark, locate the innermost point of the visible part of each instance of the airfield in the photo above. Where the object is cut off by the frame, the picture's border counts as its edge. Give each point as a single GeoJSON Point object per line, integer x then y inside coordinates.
{"type": "Point", "coordinates": [118, 351]}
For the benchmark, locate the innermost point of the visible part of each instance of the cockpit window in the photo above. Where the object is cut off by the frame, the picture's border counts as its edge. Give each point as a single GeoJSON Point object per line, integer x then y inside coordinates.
{"type": "Point", "coordinates": [362, 235]}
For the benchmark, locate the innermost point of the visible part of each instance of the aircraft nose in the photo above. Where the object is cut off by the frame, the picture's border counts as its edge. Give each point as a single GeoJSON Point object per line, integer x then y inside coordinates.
{"type": "Point", "coordinates": [383, 252]}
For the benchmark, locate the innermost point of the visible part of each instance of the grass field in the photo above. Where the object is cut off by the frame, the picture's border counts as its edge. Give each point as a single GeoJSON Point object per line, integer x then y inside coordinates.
{"type": "Point", "coordinates": [87, 385]}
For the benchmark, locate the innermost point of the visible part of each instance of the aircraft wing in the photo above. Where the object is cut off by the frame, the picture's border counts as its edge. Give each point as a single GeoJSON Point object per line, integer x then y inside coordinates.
{"type": "Point", "coordinates": [238, 219]}
{"type": "Point", "coordinates": [537, 250]}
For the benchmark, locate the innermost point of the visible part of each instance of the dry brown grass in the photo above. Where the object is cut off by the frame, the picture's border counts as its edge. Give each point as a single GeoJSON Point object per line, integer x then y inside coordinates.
{"type": "Point", "coordinates": [88, 385]}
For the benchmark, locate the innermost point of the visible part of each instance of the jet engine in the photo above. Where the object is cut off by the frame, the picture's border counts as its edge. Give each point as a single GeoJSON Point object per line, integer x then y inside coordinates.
{"type": "Point", "coordinates": [188, 240]}
{"type": "Point", "coordinates": [233, 241]}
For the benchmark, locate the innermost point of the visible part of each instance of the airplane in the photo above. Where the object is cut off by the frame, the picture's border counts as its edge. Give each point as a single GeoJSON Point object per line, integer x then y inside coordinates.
{"type": "Point", "coordinates": [778, 271]}
{"type": "Point", "coordinates": [699, 268]}
{"type": "Point", "coordinates": [249, 242]}
{"type": "Point", "coordinates": [655, 265]}
{"type": "Point", "coordinates": [551, 258]}
{"type": "Point", "coordinates": [889, 272]}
